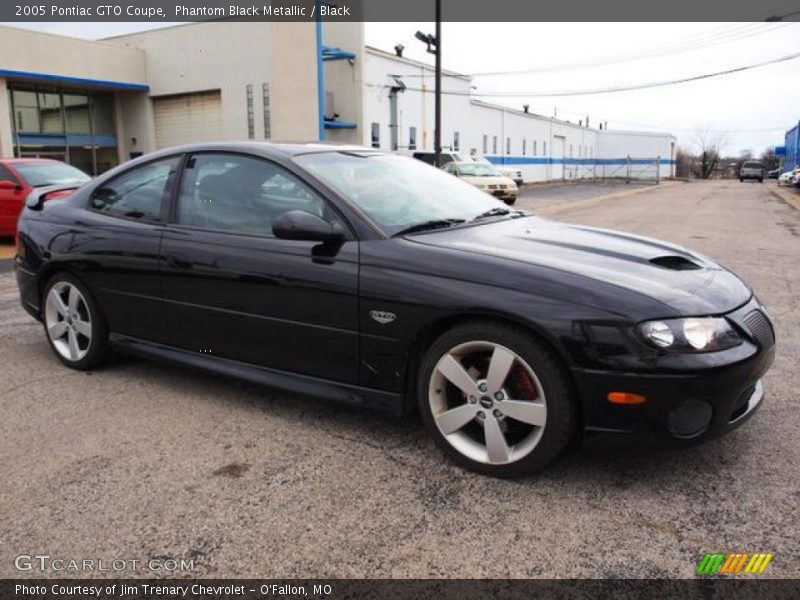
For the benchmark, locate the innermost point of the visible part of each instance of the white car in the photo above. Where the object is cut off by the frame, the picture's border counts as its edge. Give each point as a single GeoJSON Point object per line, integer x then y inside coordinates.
{"type": "Point", "coordinates": [484, 177]}
{"type": "Point", "coordinates": [510, 172]}
{"type": "Point", "coordinates": [790, 177]}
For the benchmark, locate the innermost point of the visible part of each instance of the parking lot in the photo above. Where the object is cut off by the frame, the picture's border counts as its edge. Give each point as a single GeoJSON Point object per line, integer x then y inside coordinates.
{"type": "Point", "coordinates": [142, 460]}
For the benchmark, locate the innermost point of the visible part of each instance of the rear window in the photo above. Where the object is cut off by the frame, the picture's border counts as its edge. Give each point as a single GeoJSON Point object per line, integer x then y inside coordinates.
{"type": "Point", "coordinates": [753, 165]}
{"type": "Point", "coordinates": [39, 174]}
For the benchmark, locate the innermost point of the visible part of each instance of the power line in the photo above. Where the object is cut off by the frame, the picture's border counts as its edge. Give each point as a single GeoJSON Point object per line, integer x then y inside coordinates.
{"type": "Point", "coordinates": [612, 90]}
{"type": "Point", "coordinates": [713, 38]}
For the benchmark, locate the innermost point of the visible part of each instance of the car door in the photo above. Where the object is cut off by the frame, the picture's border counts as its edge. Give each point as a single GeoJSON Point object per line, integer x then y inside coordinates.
{"type": "Point", "coordinates": [115, 245]}
{"type": "Point", "coordinates": [11, 199]}
{"type": "Point", "coordinates": [233, 290]}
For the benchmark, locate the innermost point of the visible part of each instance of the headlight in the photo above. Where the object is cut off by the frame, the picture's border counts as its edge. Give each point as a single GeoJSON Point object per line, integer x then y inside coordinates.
{"type": "Point", "coordinates": [708, 334]}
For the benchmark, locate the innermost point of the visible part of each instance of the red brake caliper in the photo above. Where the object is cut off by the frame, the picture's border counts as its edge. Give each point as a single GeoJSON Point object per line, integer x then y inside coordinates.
{"type": "Point", "coordinates": [524, 382]}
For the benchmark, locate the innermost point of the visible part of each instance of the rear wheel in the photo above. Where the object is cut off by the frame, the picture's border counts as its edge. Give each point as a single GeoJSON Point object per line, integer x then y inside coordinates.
{"type": "Point", "coordinates": [495, 400]}
{"type": "Point", "coordinates": [73, 324]}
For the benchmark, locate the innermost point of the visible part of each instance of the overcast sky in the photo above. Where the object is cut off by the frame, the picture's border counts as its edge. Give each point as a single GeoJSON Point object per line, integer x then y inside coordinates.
{"type": "Point", "coordinates": [751, 109]}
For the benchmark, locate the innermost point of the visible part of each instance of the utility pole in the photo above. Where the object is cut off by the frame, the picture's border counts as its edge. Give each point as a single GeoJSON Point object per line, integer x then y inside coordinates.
{"type": "Point", "coordinates": [434, 43]}
{"type": "Point", "coordinates": [437, 133]}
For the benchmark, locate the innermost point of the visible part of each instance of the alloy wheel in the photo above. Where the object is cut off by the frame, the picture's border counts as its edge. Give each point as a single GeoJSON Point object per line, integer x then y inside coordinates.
{"type": "Point", "coordinates": [68, 321]}
{"type": "Point", "coordinates": [487, 402]}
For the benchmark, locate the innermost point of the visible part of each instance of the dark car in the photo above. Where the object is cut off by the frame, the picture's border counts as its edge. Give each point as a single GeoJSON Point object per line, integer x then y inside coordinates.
{"type": "Point", "coordinates": [18, 176]}
{"type": "Point", "coordinates": [376, 280]}
{"type": "Point", "coordinates": [774, 173]}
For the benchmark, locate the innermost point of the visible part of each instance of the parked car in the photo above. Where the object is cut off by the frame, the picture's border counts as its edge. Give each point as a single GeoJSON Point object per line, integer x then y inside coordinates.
{"type": "Point", "coordinates": [484, 177]}
{"type": "Point", "coordinates": [445, 156]}
{"type": "Point", "coordinates": [790, 177]}
{"type": "Point", "coordinates": [508, 332]}
{"type": "Point", "coordinates": [774, 173]}
{"type": "Point", "coordinates": [18, 176]}
{"type": "Point", "coordinates": [752, 170]}
{"type": "Point", "coordinates": [512, 173]}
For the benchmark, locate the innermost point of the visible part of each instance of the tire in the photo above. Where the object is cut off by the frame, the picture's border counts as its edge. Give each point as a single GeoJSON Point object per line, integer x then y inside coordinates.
{"type": "Point", "coordinates": [761, 180]}
{"type": "Point", "coordinates": [511, 201]}
{"type": "Point", "coordinates": [741, 180]}
{"type": "Point", "coordinates": [74, 327]}
{"type": "Point", "coordinates": [536, 385]}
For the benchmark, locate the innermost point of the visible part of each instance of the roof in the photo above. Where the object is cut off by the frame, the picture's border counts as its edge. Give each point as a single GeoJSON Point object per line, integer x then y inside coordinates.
{"type": "Point", "coordinates": [414, 63]}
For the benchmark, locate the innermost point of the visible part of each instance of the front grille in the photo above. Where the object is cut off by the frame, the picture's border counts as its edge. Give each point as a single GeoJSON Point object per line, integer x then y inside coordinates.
{"type": "Point", "coordinates": [502, 187]}
{"type": "Point", "coordinates": [760, 328]}
{"type": "Point", "coordinates": [492, 186]}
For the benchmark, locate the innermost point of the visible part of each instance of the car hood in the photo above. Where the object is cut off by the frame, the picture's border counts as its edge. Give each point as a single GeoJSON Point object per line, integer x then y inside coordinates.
{"type": "Point", "coordinates": [686, 282]}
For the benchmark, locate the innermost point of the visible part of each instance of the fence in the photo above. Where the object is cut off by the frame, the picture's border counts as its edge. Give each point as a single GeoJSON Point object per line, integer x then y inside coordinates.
{"type": "Point", "coordinates": [631, 170]}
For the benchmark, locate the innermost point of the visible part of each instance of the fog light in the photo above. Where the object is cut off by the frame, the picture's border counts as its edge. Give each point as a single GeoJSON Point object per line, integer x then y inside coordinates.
{"type": "Point", "coordinates": [690, 418]}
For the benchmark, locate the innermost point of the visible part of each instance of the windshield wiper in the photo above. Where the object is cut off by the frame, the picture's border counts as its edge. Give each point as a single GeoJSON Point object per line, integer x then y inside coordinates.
{"type": "Point", "coordinates": [428, 225]}
{"type": "Point", "coordinates": [493, 212]}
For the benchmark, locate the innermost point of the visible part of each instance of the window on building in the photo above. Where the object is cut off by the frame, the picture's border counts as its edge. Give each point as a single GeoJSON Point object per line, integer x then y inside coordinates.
{"type": "Point", "coordinates": [456, 141]}
{"type": "Point", "coordinates": [265, 100]}
{"type": "Point", "coordinates": [485, 144]}
{"type": "Point", "coordinates": [508, 145]}
{"type": "Point", "coordinates": [544, 148]}
{"type": "Point", "coordinates": [138, 194]}
{"type": "Point", "coordinates": [524, 146]}
{"type": "Point", "coordinates": [570, 150]}
{"type": "Point", "coordinates": [251, 115]}
{"type": "Point", "coordinates": [26, 111]}
{"type": "Point", "coordinates": [76, 113]}
{"type": "Point", "coordinates": [494, 144]}
{"type": "Point", "coordinates": [241, 194]}
{"type": "Point", "coordinates": [376, 135]}
{"type": "Point", "coordinates": [50, 112]}
{"type": "Point", "coordinates": [412, 138]}
{"type": "Point", "coordinates": [102, 114]}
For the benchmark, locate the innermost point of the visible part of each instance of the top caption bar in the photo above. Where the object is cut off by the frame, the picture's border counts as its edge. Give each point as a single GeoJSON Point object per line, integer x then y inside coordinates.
{"type": "Point", "coordinates": [159, 11]}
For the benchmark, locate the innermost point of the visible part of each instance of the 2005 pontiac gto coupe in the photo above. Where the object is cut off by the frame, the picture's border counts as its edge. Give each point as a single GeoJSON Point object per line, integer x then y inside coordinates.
{"type": "Point", "coordinates": [377, 280]}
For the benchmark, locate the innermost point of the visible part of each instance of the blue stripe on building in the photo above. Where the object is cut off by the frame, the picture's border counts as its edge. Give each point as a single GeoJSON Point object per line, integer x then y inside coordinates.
{"type": "Point", "coordinates": [549, 160]}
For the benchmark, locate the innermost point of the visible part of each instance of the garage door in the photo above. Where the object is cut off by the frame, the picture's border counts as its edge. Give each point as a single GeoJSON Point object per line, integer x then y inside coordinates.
{"type": "Point", "coordinates": [188, 118]}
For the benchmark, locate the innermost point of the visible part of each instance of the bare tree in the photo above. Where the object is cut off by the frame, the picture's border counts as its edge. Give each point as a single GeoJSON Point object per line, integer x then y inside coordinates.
{"type": "Point", "coordinates": [769, 159]}
{"type": "Point", "coordinates": [709, 147]}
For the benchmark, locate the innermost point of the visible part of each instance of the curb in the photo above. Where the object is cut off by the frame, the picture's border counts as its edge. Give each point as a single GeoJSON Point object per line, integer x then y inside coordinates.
{"type": "Point", "coordinates": [549, 209]}
{"type": "Point", "coordinates": [786, 194]}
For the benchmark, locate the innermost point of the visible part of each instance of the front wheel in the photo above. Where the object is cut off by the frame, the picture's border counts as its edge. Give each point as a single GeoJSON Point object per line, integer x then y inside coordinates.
{"type": "Point", "coordinates": [73, 324]}
{"type": "Point", "coordinates": [510, 201]}
{"type": "Point", "coordinates": [496, 400]}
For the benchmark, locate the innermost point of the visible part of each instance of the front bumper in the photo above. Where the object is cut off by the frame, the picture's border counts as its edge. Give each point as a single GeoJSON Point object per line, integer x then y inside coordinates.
{"type": "Point", "coordinates": [704, 399]}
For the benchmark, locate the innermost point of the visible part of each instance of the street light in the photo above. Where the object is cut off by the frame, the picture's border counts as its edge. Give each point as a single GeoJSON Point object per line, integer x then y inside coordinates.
{"type": "Point", "coordinates": [434, 43]}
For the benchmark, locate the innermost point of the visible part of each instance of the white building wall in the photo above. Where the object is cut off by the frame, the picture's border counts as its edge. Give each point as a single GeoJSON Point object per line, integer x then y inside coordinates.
{"type": "Point", "coordinates": [415, 107]}
{"type": "Point", "coordinates": [513, 137]}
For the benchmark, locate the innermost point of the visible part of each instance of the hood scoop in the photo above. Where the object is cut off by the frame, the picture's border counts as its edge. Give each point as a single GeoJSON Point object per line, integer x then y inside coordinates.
{"type": "Point", "coordinates": [675, 263]}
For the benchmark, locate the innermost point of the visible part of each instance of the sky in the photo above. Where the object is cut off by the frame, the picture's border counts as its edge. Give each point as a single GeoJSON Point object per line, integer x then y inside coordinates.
{"type": "Point", "coordinates": [748, 110]}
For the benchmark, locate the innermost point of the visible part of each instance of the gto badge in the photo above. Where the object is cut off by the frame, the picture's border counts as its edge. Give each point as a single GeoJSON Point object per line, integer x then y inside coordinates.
{"type": "Point", "coordinates": [383, 317]}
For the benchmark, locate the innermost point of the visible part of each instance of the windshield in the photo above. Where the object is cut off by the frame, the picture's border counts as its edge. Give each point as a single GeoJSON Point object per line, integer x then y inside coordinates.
{"type": "Point", "coordinates": [39, 174]}
{"type": "Point", "coordinates": [752, 165]}
{"type": "Point", "coordinates": [398, 192]}
{"type": "Point", "coordinates": [478, 170]}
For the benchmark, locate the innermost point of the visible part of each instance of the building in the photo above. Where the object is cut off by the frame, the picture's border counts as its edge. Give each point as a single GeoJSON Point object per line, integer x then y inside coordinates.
{"type": "Point", "coordinates": [789, 153]}
{"type": "Point", "coordinates": [98, 103]}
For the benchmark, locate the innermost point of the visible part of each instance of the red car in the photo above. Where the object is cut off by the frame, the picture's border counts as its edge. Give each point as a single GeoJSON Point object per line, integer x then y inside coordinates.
{"type": "Point", "coordinates": [18, 176]}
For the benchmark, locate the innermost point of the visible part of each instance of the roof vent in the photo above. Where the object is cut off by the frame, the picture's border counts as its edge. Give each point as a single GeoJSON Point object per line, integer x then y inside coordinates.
{"type": "Point", "coordinates": [676, 263]}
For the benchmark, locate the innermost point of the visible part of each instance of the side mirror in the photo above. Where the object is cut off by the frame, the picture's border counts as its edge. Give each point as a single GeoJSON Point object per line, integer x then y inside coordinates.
{"type": "Point", "coordinates": [6, 184]}
{"type": "Point", "coordinates": [304, 226]}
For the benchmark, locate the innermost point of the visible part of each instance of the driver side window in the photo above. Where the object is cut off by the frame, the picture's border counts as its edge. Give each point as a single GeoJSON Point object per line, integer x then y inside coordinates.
{"type": "Point", "coordinates": [241, 194]}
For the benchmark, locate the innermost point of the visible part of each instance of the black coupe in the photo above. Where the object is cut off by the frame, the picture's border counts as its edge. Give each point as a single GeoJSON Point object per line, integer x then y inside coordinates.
{"type": "Point", "coordinates": [376, 280]}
